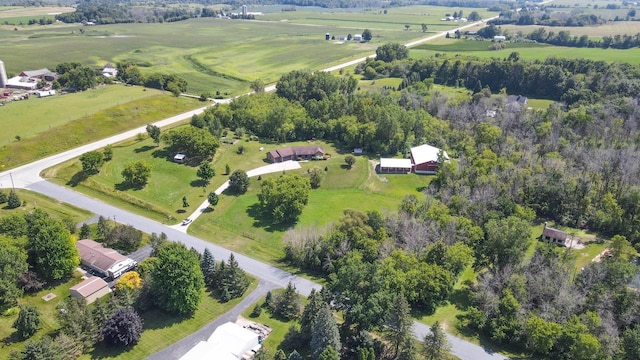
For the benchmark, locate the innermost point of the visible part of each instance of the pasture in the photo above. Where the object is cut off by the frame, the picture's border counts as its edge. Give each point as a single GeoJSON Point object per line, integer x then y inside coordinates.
{"type": "Point", "coordinates": [38, 115]}
{"type": "Point", "coordinates": [32, 11]}
{"type": "Point", "coordinates": [57, 209]}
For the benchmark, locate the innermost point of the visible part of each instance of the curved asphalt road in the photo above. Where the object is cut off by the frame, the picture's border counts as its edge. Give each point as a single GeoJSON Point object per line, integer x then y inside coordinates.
{"type": "Point", "coordinates": [28, 176]}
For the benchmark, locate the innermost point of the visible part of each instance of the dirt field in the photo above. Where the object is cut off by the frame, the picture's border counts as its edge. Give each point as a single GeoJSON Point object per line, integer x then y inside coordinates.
{"type": "Point", "coordinates": [609, 29]}
{"type": "Point", "coordinates": [10, 12]}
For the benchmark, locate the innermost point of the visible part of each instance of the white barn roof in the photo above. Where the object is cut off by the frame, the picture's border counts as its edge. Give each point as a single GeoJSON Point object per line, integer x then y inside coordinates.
{"type": "Point", "coordinates": [395, 163]}
{"type": "Point", "coordinates": [425, 153]}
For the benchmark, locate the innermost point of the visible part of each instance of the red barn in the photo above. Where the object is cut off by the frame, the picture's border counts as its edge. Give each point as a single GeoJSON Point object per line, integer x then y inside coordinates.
{"type": "Point", "coordinates": [425, 159]}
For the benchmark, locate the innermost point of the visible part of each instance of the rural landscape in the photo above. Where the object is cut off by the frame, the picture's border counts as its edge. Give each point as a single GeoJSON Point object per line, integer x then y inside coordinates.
{"type": "Point", "coordinates": [320, 179]}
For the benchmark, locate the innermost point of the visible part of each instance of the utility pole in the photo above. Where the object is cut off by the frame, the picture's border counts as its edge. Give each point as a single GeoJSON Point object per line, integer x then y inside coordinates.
{"type": "Point", "coordinates": [12, 185]}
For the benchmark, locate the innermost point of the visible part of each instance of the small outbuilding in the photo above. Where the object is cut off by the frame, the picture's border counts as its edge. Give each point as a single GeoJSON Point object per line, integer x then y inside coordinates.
{"type": "Point", "coordinates": [180, 158]}
{"type": "Point", "coordinates": [90, 289]}
{"type": "Point", "coordinates": [358, 151]}
{"type": "Point", "coordinates": [395, 166]}
{"type": "Point", "coordinates": [499, 38]}
{"type": "Point", "coordinates": [228, 342]}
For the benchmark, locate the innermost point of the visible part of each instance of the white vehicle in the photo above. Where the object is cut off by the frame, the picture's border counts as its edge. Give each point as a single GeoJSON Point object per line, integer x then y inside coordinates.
{"type": "Point", "coordinates": [186, 221]}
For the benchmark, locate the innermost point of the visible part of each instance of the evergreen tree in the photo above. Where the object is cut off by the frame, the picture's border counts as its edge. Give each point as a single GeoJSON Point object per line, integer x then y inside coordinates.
{"type": "Point", "coordinates": [325, 332]}
{"type": "Point", "coordinates": [295, 355]}
{"type": "Point", "coordinates": [208, 266]}
{"type": "Point", "coordinates": [329, 353]}
{"type": "Point", "coordinates": [27, 322]}
{"type": "Point", "coordinates": [103, 227]}
{"type": "Point", "coordinates": [309, 313]}
{"type": "Point", "coordinates": [280, 355]}
{"type": "Point", "coordinates": [77, 321]}
{"type": "Point", "coordinates": [13, 201]}
{"type": "Point", "coordinates": [3, 197]}
{"type": "Point", "coordinates": [398, 323]}
{"type": "Point", "coordinates": [435, 344]}
{"type": "Point", "coordinates": [231, 280]}
{"type": "Point", "coordinates": [289, 304]}
{"type": "Point", "coordinates": [85, 231]}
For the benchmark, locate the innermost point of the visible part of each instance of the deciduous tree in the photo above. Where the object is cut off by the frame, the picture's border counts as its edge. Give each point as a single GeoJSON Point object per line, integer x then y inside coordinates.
{"type": "Point", "coordinates": [124, 328]}
{"type": "Point", "coordinates": [177, 281]}
{"type": "Point", "coordinates": [284, 198]}
{"type": "Point", "coordinates": [238, 182]}
{"type": "Point", "coordinates": [366, 35]}
{"type": "Point", "coordinates": [91, 162]}
{"type": "Point", "coordinates": [13, 263]}
{"type": "Point", "coordinates": [154, 133]}
{"type": "Point", "coordinates": [213, 198]}
{"type": "Point", "coordinates": [137, 173]}
{"type": "Point", "coordinates": [205, 172]}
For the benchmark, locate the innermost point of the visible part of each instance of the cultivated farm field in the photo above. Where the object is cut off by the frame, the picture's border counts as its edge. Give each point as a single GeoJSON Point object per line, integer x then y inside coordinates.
{"type": "Point", "coordinates": [211, 54]}
{"type": "Point", "coordinates": [19, 11]}
{"type": "Point", "coordinates": [611, 28]}
{"type": "Point", "coordinates": [478, 49]}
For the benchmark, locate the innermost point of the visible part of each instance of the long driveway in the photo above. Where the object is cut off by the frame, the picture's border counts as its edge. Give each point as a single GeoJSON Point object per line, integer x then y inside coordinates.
{"type": "Point", "coordinates": [28, 176]}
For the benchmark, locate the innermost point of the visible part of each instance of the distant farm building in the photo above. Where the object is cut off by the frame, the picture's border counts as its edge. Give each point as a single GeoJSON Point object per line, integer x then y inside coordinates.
{"type": "Point", "coordinates": [499, 38]}
{"type": "Point", "coordinates": [90, 289]}
{"type": "Point", "coordinates": [522, 100]}
{"type": "Point", "coordinates": [357, 37]}
{"type": "Point", "coordinates": [180, 158]}
{"type": "Point", "coordinates": [28, 80]}
{"type": "Point", "coordinates": [424, 159]}
{"type": "Point", "coordinates": [358, 151]}
{"type": "Point", "coordinates": [45, 93]}
{"type": "Point", "coordinates": [105, 261]}
{"type": "Point", "coordinates": [109, 72]}
{"type": "Point", "coordinates": [295, 153]}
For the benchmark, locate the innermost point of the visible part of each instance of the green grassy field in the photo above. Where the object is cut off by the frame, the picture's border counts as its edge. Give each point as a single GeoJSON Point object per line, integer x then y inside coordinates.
{"type": "Point", "coordinates": [526, 51]}
{"type": "Point", "coordinates": [38, 115]}
{"type": "Point", "coordinates": [47, 310]}
{"type": "Point", "coordinates": [55, 208]}
{"type": "Point", "coordinates": [92, 126]}
{"type": "Point", "coordinates": [162, 329]}
{"type": "Point", "coordinates": [609, 29]}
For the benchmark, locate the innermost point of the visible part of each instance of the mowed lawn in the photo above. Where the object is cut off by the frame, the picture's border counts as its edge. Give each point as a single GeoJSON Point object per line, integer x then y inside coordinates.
{"type": "Point", "coordinates": [33, 116]}
{"type": "Point", "coordinates": [162, 329]}
{"type": "Point", "coordinates": [92, 127]}
{"type": "Point", "coordinates": [57, 209]}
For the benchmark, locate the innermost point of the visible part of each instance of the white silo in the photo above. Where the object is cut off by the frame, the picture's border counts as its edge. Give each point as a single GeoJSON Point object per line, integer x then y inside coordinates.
{"type": "Point", "coordinates": [3, 75]}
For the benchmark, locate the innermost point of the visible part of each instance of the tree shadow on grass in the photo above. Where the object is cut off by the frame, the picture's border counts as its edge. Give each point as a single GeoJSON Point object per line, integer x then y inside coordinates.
{"type": "Point", "coordinates": [162, 153]}
{"type": "Point", "coordinates": [181, 211]}
{"type": "Point", "coordinates": [124, 186]}
{"type": "Point", "coordinates": [143, 149]}
{"type": "Point", "coordinates": [198, 183]}
{"type": "Point", "coordinates": [77, 178]}
{"type": "Point", "coordinates": [207, 210]}
{"type": "Point", "coordinates": [260, 220]}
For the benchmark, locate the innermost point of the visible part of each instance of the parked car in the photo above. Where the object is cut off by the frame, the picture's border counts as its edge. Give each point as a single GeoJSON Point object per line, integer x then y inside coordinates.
{"type": "Point", "coordinates": [186, 221]}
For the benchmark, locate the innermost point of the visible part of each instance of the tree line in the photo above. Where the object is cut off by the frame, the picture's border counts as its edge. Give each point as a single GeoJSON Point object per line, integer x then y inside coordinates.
{"type": "Point", "coordinates": [564, 38]}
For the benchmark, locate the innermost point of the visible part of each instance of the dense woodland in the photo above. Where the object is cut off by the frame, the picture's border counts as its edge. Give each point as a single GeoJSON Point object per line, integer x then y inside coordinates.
{"type": "Point", "coordinates": [576, 163]}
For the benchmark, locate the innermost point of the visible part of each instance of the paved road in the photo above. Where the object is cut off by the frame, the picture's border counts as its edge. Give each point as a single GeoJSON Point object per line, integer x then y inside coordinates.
{"type": "Point", "coordinates": [176, 350]}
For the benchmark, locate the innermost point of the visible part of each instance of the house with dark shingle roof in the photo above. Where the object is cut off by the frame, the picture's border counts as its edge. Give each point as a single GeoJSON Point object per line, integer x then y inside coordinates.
{"type": "Point", "coordinates": [294, 153]}
{"type": "Point", "coordinates": [555, 236]}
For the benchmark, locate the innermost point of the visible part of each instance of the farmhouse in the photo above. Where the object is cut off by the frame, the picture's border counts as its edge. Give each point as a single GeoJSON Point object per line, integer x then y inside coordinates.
{"type": "Point", "coordinates": [425, 159]}
{"type": "Point", "coordinates": [522, 100]}
{"type": "Point", "coordinates": [106, 261]}
{"type": "Point", "coordinates": [555, 236]}
{"type": "Point", "coordinates": [90, 289]}
{"type": "Point", "coordinates": [228, 342]}
{"type": "Point", "coordinates": [294, 153]}
{"type": "Point", "coordinates": [395, 166]}
{"type": "Point", "coordinates": [109, 72]}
